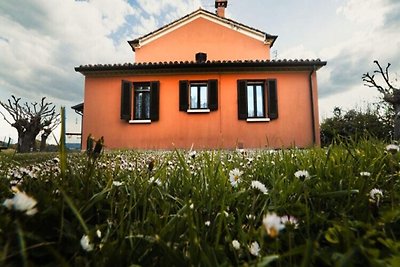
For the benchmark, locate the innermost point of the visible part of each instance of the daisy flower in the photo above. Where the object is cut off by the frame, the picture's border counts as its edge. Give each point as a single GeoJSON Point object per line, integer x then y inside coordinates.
{"type": "Point", "coordinates": [85, 243]}
{"type": "Point", "coordinates": [289, 220]}
{"type": "Point", "coordinates": [273, 224]}
{"type": "Point", "coordinates": [375, 195]}
{"type": "Point", "coordinates": [21, 202]}
{"type": "Point", "coordinates": [302, 174]}
{"type": "Point", "coordinates": [254, 249]}
{"type": "Point", "coordinates": [234, 177]}
{"type": "Point", "coordinates": [366, 174]}
{"type": "Point", "coordinates": [392, 148]}
{"type": "Point", "coordinates": [260, 186]}
{"type": "Point", "coordinates": [235, 244]}
{"type": "Point", "coordinates": [117, 183]}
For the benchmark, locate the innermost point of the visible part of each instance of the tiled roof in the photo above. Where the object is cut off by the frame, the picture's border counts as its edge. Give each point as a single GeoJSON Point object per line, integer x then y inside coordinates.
{"type": "Point", "coordinates": [136, 41]}
{"type": "Point", "coordinates": [214, 65]}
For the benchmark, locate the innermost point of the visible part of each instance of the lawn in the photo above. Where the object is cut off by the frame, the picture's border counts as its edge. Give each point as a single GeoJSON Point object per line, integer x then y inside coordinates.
{"type": "Point", "coordinates": [335, 206]}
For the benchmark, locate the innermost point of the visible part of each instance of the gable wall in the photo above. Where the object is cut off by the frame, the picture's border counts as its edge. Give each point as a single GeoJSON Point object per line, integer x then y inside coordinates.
{"type": "Point", "coordinates": [202, 35]}
{"type": "Point", "coordinates": [219, 129]}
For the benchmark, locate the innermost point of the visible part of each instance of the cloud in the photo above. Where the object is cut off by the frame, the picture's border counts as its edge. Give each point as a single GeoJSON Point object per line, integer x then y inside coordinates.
{"type": "Point", "coordinates": [376, 39]}
{"type": "Point", "coordinates": [45, 43]}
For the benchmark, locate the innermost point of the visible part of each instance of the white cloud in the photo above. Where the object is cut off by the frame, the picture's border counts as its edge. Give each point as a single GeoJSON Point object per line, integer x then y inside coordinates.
{"type": "Point", "coordinates": [156, 7]}
{"type": "Point", "coordinates": [370, 12]}
{"type": "Point", "coordinates": [353, 56]}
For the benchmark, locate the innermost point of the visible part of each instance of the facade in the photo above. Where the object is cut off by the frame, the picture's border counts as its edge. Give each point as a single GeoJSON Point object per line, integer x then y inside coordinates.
{"type": "Point", "coordinates": [203, 81]}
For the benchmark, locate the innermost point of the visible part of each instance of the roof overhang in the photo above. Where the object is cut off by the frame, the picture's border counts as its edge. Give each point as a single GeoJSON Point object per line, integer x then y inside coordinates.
{"type": "Point", "coordinates": [78, 108]}
{"type": "Point", "coordinates": [201, 13]}
{"type": "Point", "coordinates": [205, 67]}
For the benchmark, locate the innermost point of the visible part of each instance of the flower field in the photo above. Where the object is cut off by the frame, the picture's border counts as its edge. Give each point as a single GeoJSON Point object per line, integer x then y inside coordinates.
{"type": "Point", "coordinates": [337, 206]}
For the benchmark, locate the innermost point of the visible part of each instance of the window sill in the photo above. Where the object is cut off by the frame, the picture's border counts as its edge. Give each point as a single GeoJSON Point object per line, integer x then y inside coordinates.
{"type": "Point", "coordinates": [198, 111]}
{"type": "Point", "coordinates": [139, 121]}
{"type": "Point", "coordinates": [258, 120]}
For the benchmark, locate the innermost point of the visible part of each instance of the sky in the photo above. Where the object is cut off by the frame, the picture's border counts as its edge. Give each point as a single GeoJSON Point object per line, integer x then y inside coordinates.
{"type": "Point", "coordinates": [41, 42]}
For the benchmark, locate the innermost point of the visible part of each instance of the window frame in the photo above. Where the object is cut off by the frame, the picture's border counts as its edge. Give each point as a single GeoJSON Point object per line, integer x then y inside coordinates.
{"type": "Point", "coordinates": [129, 101]}
{"type": "Point", "coordinates": [198, 85]}
{"type": "Point", "coordinates": [136, 86]}
{"type": "Point", "coordinates": [269, 98]}
{"type": "Point", "coordinates": [254, 85]}
{"type": "Point", "coordinates": [185, 93]}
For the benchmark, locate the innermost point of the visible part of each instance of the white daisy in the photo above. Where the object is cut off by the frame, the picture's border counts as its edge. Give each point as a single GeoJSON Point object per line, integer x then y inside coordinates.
{"type": "Point", "coordinates": [21, 202]}
{"type": "Point", "coordinates": [117, 183]}
{"type": "Point", "coordinates": [234, 177]}
{"type": "Point", "coordinates": [85, 243]}
{"type": "Point", "coordinates": [366, 174]}
{"type": "Point", "coordinates": [392, 148]}
{"type": "Point", "coordinates": [302, 174]}
{"type": "Point", "coordinates": [254, 249]}
{"type": "Point", "coordinates": [375, 195]}
{"type": "Point", "coordinates": [273, 224]}
{"type": "Point", "coordinates": [235, 244]}
{"type": "Point", "coordinates": [260, 186]}
{"type": "Point", "coordinates": [289, 220]}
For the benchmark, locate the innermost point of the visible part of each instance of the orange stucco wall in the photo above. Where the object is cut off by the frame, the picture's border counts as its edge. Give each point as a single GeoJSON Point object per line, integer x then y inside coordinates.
{"type": "Point", "coordinates": [219, 129]}
{"type": "Point", "coordinates": [202, 35]}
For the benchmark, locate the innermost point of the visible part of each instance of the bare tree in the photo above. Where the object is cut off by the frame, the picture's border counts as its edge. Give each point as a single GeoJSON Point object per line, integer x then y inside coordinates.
{"type": "Point", "coordinates": [30, 120]}
{"type": "Point", "coordinates": [390, 93]}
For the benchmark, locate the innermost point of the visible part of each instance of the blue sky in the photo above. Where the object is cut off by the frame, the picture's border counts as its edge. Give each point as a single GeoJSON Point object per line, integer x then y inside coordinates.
{"type": "Point", "coordinates": [42, 41]}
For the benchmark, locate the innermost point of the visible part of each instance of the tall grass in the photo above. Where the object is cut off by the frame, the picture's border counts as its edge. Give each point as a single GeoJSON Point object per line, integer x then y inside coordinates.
{"type": "Point", "coordinates": [179, 208]}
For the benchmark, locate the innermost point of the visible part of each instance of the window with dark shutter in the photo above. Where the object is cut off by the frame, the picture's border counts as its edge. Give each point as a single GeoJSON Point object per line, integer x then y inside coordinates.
{"type": "Point", "coordinates": [183, 95]}
{"type": "Point", "coordinates": [140, 101]}
{"type": "Point", "coordinates": [126, 100]}
{"type": "Point", "coordinates": [242, 99]}
{"type": "Point", "coordinates": [213, 95]}
{"type": "Point", "coordinates": [257, 100]}
{"type": "Point", "coordinates": [198, 96]}
{"type": "Point", "coordinates": [154, 100]}
{"type": "Point", "coordinates": [272, 100]}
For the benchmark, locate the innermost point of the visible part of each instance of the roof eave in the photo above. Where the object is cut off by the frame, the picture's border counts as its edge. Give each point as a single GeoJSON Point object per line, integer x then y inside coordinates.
{"type": "Point", "coordinates": [257, 34]}
{"type": "Point", "coordinates": [209, 66]}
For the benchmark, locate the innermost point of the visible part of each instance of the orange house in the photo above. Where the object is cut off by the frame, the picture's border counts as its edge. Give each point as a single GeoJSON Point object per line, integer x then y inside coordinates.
{"type": "Point", "coordinates": [203, 81]}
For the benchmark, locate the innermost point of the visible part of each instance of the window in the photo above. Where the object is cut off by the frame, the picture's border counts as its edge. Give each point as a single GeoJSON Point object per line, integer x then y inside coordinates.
{"type": "Point", "coordinates": [140, 101]}
{"type": "Point", "coordinates": [198, 96]}
{"type": "Point", "coordinates": [257, 100]}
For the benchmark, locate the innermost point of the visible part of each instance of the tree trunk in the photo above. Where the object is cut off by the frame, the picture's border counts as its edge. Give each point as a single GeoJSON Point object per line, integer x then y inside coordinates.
{"type": "Point", "coordinates": [25, 143]}
{"type": "Point", "coordinates": [43, 141]}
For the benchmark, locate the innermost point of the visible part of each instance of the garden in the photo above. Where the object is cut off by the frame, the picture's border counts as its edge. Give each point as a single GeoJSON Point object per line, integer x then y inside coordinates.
{"type": "Point", "coordinates": [332, 206]}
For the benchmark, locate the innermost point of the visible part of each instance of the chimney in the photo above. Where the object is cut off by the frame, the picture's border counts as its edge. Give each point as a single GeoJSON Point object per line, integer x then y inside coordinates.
{"type": "Point", "coordinates": [201, 57]}
{"type": "Point", "coordinates": [220, 5]}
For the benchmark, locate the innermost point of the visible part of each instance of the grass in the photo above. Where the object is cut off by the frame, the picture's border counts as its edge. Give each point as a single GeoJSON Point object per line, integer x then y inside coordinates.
{"type": "Point", "coordinates": [179, 209]}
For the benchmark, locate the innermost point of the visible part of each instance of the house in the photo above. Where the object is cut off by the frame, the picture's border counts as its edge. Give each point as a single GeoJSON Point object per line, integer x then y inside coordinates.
{"type": "Point", "coordinates": [205, 81]}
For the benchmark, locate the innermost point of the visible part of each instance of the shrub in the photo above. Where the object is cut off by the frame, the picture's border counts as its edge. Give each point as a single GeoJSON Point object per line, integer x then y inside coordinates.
{"type": "Point", "coordinates": [355, 125]}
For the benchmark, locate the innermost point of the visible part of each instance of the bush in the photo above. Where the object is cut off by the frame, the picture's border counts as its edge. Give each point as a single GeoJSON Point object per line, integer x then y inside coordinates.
{"type": "Point", "coordinates": [355, 125]}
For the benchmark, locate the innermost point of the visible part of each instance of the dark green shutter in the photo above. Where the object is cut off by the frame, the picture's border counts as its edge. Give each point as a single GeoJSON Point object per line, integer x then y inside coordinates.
{"type": "Point", "coordinates": [126, 100]}
{"type": "Point", "coordinates": [272, 100]}
{"type": "Point", "coordinates": [183, 95]}
{"type": "Point", "coordinates": [242, 99]}
{"type": "Point", "coordinates": [213, 95]}
{"type": "Point", "coordinates": [154, 100]}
